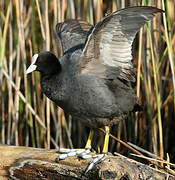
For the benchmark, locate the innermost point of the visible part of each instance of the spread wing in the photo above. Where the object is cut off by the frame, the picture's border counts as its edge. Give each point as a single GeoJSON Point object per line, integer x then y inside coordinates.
{"type": "Point", "coordinates": [107, 52]}
{"type": "Point", "coordinates": [72, 34]}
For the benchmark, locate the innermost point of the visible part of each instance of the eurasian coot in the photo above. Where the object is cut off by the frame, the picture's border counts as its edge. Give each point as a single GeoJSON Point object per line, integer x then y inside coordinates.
{"type": "Point", "coordinates": [93, 79]}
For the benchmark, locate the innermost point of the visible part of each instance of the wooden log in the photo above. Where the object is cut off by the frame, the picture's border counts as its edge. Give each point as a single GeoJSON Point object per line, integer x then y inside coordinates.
{"type": "Point", "coordinates": [17, 162]}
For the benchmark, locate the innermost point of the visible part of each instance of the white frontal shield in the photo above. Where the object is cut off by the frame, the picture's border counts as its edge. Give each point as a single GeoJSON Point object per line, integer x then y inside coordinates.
{"type": "Point", "coordinates": [32, 67]}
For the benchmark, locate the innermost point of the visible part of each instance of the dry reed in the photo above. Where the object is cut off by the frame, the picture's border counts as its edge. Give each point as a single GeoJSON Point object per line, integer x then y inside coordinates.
{"type": "Point", "coordinates": [28, 118]}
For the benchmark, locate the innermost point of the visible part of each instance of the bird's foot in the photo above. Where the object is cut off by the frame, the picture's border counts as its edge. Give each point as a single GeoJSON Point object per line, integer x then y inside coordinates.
{"type": "Point", "coordinates": [81, 153]}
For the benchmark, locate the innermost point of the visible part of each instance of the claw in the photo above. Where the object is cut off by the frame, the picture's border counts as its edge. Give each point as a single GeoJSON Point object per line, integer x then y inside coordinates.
{"type": "Point", "coordinates": [98, 159]}
{"type": "Point", "coordinates": [89, 167]}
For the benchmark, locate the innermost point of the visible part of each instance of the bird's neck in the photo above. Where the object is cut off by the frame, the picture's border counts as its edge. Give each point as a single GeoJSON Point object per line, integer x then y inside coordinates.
{"type": "Point", "coordinates": [52, 87]}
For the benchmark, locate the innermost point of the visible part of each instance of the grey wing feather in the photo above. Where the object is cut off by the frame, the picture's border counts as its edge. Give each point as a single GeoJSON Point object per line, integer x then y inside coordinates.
{"type": "Point", "coordinates": [72, 34]}
{"type": "Point", "coordinates": [107, 52]}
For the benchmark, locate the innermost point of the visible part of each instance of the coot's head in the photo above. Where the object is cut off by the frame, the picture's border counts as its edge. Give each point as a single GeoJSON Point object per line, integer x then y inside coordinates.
{"type": "Point", "coordinates": [46, 63]}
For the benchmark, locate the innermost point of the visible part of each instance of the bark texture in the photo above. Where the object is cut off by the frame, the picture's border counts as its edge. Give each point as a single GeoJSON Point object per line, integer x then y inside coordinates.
{"type": "Point", "coordinates": [27, 163]}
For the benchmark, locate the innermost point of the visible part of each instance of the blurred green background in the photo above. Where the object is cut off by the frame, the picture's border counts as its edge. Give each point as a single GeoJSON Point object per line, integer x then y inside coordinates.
{"type": "Point", "coordinates": [28, 118]}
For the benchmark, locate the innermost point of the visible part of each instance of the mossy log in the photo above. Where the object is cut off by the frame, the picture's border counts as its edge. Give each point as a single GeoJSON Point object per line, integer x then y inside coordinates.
{"type": "Point", "coordinates": [17, 162]}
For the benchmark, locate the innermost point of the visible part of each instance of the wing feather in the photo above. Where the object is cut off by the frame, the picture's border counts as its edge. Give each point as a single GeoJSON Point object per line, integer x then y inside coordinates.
{"type": "Point", "coordinates": [72, 34]}
{"type": "Point", "coordinates": [107, 52]}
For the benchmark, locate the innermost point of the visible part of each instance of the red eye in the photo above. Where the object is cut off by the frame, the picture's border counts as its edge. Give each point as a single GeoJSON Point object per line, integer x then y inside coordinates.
{"type": "Point", "coordinates": [40, 60]}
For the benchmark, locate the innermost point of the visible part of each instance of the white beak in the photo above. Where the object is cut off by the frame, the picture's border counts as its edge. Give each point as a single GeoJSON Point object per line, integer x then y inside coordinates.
{"type": "Point", "coordinates": [32, 67]}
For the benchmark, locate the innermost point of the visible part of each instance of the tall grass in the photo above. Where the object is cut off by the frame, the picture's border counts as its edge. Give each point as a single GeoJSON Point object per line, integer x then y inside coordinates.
{"type": "Point", "coordinates": [28, 118]}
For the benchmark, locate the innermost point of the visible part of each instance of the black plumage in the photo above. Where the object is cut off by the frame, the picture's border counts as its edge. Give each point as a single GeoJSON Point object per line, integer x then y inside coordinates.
{"type": "Point", "coordinates": [92, 80]}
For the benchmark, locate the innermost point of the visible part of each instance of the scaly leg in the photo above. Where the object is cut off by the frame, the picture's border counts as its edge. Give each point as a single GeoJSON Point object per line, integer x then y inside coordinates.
{"type": "Point", "coordinates": [98, 158]}
{"type": "Point", "coordinates": [84, 153]}
{"type": "Point", "coordinates": [89, 141]}
{"type": "Point", "coordinates": [106, 141]}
